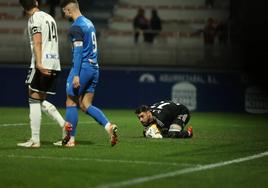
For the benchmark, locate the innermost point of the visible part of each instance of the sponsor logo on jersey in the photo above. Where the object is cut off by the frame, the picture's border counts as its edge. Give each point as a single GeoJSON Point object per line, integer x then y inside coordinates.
{"type": "Point", "coordinates": [52, 56]}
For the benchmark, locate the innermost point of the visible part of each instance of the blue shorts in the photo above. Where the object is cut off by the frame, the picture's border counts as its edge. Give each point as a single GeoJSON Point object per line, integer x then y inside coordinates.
{"type": "Point", "coordinates": [89, 77]}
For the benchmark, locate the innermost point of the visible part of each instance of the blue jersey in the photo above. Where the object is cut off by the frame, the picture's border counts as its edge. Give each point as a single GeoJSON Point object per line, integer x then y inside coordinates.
{"type": "Point", "coordinates": [84, 31]}
{"type": "Point", "coordinates": [85, 65]}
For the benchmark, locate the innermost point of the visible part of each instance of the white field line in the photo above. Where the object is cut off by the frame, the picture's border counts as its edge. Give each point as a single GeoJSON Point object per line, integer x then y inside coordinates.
{"type": "Point", "coordinates": [48, 123]}
{"type": "Point", "coordinates": [149, 163]}
{"type": "Point", "coordinates": [182, 171]}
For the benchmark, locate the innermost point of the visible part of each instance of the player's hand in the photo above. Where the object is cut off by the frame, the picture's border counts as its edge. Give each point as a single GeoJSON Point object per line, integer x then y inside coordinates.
{"type": "Point", "coordinates": [76, 82]}
{"type": "Point", "coordinates": [43, 70]}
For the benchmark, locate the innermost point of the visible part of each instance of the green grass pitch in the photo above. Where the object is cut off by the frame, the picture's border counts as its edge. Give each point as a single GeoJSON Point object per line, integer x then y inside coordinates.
{"type": "Point", "coordinates": [227, 150]}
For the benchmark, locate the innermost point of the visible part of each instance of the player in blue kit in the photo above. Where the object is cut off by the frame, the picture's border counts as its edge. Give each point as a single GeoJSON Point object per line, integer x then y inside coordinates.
{"type": "Point", "coordinates": [84, 74]}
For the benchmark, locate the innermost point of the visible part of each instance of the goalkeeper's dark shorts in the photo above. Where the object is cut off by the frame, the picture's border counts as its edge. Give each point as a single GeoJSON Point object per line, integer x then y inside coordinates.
{"type": "Point", "coordinates": [182, 119]}
{"type": "Point", "coordinates": [39, 82]}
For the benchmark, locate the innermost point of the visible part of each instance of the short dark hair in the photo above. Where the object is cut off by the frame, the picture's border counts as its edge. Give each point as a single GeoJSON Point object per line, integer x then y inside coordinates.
{"type": "Point", "coordinates": [28, 4]}
{"type": "Point", "coordinates": [142, 108]}
{"type": "Point", "coordinates": [66, 2]}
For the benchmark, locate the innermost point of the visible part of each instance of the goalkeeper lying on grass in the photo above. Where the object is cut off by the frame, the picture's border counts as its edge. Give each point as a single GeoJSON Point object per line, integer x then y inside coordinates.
{"type": "Point", "coordinates": [165, 119]}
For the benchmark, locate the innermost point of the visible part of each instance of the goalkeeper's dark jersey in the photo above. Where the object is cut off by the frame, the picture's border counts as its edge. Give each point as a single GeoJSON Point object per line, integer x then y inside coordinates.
{"type": "Point", "coordinates": [166, 113]}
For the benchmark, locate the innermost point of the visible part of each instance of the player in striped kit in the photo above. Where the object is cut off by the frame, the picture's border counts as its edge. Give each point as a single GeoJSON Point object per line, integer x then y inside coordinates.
{"type": "Point", "coordinates": [44, 69]}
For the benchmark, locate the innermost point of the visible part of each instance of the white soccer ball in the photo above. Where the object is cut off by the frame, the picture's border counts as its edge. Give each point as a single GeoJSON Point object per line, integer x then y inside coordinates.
{"type": "Point", "coordinates": [153, 132]}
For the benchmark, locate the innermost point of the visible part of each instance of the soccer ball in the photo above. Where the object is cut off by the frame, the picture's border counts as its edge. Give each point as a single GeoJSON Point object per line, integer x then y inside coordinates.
{"type": "Point", "coordinates": [153, 132]}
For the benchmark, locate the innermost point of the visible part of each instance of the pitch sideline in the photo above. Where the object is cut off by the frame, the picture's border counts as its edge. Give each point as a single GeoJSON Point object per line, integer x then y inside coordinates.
{"type": "Point", "coordinates": [182, 171]}
{"type": "Point", "coordinates": [49, 123]}
{"type": "Point", "coordinates": [149, 163]}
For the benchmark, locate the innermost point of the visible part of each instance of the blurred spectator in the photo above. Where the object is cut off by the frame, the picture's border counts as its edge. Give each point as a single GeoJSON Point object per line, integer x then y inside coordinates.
{"type": "Point", "coordinates": [155, 26]}
{"type": "Point", "coordinates": [209, 3]}
{"type": "Point", "coordinates": [52, 6]}
{"type": "Point", "coordinates": [209, 35]}
{"type": "Point", "coordinates": [140, 25]}
{"type": "Point", "coordinates": [222, 32]}
{"type": "Point", "coordinates": [209, 32]}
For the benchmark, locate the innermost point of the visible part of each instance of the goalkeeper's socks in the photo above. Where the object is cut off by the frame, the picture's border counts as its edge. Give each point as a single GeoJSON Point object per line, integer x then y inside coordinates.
{"type": "Point", "coordinates": [183, 134]}
{"type": "Point", "coordinates": [35, 118]}
{"type": "Point", "coordinates": [98, 115]}
{"type": "Point", "coordinates": [72, 117]}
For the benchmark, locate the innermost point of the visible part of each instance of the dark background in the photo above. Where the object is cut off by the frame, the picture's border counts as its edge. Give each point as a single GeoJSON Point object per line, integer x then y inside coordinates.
{"type": "Point", "coordinates": [250, 30]}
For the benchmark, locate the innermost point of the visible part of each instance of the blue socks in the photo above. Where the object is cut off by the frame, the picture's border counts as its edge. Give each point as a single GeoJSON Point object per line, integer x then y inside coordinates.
{"type": "Point", "coordinates": [72, 117]}
{"type": "Point", "coordinates": [98, 115]}
{"type": "Point", "coordinates": [94, 112]}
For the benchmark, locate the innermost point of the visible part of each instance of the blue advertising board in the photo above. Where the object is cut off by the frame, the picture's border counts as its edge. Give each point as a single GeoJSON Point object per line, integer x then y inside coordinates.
{"type": "Point", "coordinates": [200, 90]}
